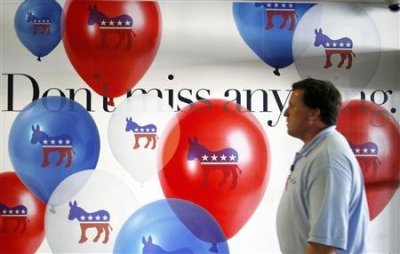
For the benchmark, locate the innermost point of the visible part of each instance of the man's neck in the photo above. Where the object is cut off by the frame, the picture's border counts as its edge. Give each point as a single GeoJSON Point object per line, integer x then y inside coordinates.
{"type": "Point", "coordinates": [314, 130]}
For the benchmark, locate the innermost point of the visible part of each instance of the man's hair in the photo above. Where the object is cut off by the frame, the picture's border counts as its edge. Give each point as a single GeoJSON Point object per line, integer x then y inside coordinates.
{"type": "Point", "coordinates": [323, 95]}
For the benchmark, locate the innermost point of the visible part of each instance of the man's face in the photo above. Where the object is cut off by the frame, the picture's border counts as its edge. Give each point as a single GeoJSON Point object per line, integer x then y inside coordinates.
{"type": "Point", "coordinates": [298, 115]}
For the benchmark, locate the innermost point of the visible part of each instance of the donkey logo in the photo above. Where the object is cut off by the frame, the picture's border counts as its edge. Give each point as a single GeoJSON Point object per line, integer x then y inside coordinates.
{"type": "Point", "coordinates": [61, 144]}
{"type": "Point", "coordinates": [225, 160]}
{"type": "Point", "coordinates": [43, 23]}
{"type": "Point", "coordinates": [17, 215]}
{"type": "Point", "coordinates": [148, 131]}
{"type": "Point", "coordinates": [342, 47]}
{"type": "Point", "coordinates": [151, 248]}
{"type": "Point", "coordinates": [367, 155]}
{"type": "Point", "coordinates": [120, 25]}
{"type": "Point", "coordinates": [285, 10]}
{"type": "Point", "coordinates": [100, 220]}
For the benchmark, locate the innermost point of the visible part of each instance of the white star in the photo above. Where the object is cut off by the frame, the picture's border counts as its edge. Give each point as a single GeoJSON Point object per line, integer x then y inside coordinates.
{"type": "Point", "coordinates": [97, 217]}
{"type": "Point", "coordinates": [153, 130]}
{"type": "Point", "coordinates": [269, 5]}
{"type": "Point", "coordinates": [223, 157]}
{"type": "Point", "coordinates": [276, 5]}
{"type": "Point", "coordinates": [83, 217]}
{"type": "Point", "coordinates": [4, 211]}
{"type": "Point", "coordinates": [127, 23]}
{"type": "Point", "coordinates": [52, 141]}
{"type": "Point", "coordinates": [328, 44]}
{"type": "Point", "coordinates": [214, 157]}
{"type": "Point", "coordinates": [23, 211]}
{"type": "Point", "coordinates": [119, 23]}
{"type": "Point", "coordinates": [334, 45]}
{"type": "Point", "coordinates": [10, 211]}
{"type": "Point", "coordinates": [60, 142]}
{"type": "Point", "coordinates": [232, 157]}
{"type": "Point", "coordinates": [205, 157]}
{"type": "Point", "coordinates": [365, 150]}
{"type": "Point", "coordinates": [373, 150]}
{"type": "Point", "coordinates": [348, 44]}
{"type": "Point", "coordinates": [111, 22]}
{"type": "Point", "coordinates": [103, 22]}
{"type": "Point", "coordinates": [341, 44]}
{"type": "Point", "coordinates": [283, 5]}
{"type": "Point", "coordinates": [105, 217]}
{"type": "Point", "coordinates": [90, 217]}
{"type": "Point", "coordinates": [17, 211]}
{"type": "Point", "coordinates": [45, 141]}
{"type": "Point", "coordinates": [291, 5]}
{"type": "Point", "coordinates": [67, 141]}
{"type": "Point", "coordinates": [357, 150]}
{"type": "Point", "coordinates": [141, 129]}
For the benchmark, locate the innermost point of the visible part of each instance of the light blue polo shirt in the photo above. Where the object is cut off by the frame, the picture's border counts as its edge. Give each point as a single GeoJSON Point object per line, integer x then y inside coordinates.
{"type": "Point", "coordinates": [324, 199]}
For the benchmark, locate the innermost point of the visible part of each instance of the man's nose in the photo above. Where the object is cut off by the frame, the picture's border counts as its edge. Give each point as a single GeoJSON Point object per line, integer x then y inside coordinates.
{"type": "Point", "coordinates": [286, 113]}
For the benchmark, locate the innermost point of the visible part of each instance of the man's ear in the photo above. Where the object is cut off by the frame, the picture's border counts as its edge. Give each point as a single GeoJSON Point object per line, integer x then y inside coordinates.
{"type": "Point", "coordinates": [315, 114]}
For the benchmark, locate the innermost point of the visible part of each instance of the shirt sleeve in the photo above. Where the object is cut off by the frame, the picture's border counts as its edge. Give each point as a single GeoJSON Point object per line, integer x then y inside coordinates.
{"type": "Point", "coordinates": [328, 200]}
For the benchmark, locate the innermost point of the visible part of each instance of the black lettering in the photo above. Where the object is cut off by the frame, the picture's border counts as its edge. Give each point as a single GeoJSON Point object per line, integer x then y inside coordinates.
{"type": "Point", "coordinates": [237, 99]}
{"type": "Point", "coordinates": [199, 97]}
{"type": "Point", "coordinates": [249, 96]}
{"type": "Point", "coordinates": [106, 105]}
{"type": "Point", "coordinates": [72, 94]}
{"type": "Point", "coordinates": [170, 97]}
{"type": "Point", "coordinates": [362, 95]}
{"type": "Point", "coordinates": [280, 106]}
{"type": "Point", "coordinates": [204, 99]}
{"type": "Point", "coordinates": [143, 91]}
{"type": "Point", "coordinates": [46, 93]}
{"type": "Point", "coordinates": [184, 99]}
{"type": "Point", "coordinates": [385, 96]}
{"type": "Point", "coordinates": [10, 89]}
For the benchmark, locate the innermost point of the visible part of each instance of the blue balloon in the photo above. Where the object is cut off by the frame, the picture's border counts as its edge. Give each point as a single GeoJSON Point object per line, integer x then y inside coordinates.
{"type": "Point", "coordinates": [51, 139]}
{"type": "Point", "coordinates": [268, 27]}
{"type": "Point", "coordinates": [37, 24]}
{"type": "Point", "coordinates": [171, 226]}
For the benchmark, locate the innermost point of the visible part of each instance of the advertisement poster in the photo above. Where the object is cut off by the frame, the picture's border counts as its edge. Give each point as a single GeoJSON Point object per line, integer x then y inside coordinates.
{"type": "Point", "coordinates": [105, 106]}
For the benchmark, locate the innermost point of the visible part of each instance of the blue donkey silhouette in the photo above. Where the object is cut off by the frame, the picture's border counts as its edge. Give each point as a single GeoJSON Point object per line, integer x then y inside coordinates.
{"type": "Point", "coordinates": [100, 220]}
{"type": "Point", "coordinates": [61, 144]}
{"type": "Point", "coordinates": [42, 22]}
{"type": "Point", "coordinates": [151, 248]}
{"type": "Point", "coordinates": [342, 47]}
{"type": "Point", "coordinates": [225, 161]}
{"type": "Point", "coordinates": [120, 25]}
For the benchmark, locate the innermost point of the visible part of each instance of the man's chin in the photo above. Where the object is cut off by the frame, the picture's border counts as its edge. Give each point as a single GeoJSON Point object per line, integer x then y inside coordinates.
{"type": "Point", "coordinates": [290, 133]}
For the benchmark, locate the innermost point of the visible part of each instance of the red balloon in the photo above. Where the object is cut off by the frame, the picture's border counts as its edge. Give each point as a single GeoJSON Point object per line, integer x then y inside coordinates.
{"type": "Point", "coordinates": [216, 155]}
{"type": "Point", "coordinates": [22, 217]}
{"type": "Point", "coordinates": [111, 43]}
{"type": "Point", "coordinates": [374, 136]}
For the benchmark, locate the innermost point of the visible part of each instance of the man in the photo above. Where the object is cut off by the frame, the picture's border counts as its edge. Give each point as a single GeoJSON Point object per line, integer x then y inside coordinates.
{"type": "Point", "coordinates": [323, 208]}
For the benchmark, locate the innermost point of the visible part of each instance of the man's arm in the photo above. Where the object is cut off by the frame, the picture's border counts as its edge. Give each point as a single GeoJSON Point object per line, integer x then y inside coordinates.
{"type": "Point", "coordinates": [315, 248]}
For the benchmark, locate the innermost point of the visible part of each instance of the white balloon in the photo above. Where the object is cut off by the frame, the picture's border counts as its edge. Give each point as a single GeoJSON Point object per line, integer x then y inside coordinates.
{"type": "Point", "coordinates": [99, 208]}
{"type": "Point", "coordinates": [360, 50]}
{"type": "Point", "coordinates": [134, 133]}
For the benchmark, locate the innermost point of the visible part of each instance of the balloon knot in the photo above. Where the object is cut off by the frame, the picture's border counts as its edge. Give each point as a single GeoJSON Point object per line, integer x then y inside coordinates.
{"type": "Point", "coordinates": [276, 72]}
{"type": "Point", "coordinates": [52, 209]}
{"type": "Point", "coordinates": [214, 248]}
{"type": "Point", "coordinates": [39, 59]}
{"type": "Point", "coordinates": [111, 102]}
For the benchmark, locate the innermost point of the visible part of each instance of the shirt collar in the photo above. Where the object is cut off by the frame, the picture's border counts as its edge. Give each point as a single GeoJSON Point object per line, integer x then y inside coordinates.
{"type": "Point", "coordinates": [306, 149]}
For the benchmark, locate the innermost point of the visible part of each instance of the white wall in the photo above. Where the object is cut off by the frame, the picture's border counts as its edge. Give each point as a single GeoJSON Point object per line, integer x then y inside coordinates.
{"type": "Point", "coordinates": [202, 48]}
